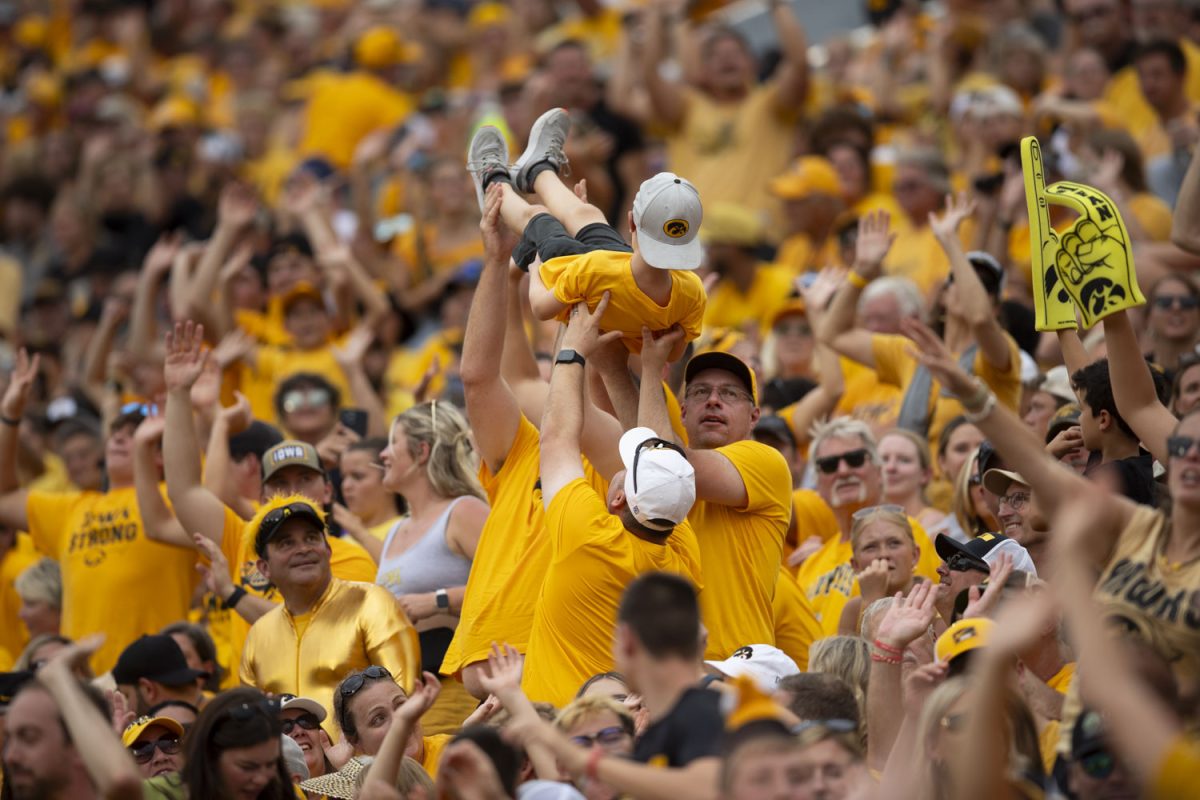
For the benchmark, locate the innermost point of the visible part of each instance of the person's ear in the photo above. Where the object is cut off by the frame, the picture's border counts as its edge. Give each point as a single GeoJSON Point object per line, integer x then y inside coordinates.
{"type": "Point", "coordinates": [148, 690]}
{"type": "Point", "coordinates": [327, 493]}
{"type": "Point", "coordinates": [263, 568]}
{"type": "Point", "coordinates": [754, 415]}
{"type": "Point", "coordinates": [1104, 421]}
{"type": "Point", "coordinates": [618, 501]}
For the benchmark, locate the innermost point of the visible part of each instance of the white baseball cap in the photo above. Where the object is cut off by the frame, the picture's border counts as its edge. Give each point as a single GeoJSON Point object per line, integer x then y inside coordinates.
{"type": "Point", "coordinates": [660, 483]}
{"type": "Point", "coordinates": [287, 701]}
{"type": "Point", "coordinates": [667, 214]}
{"type": "Point", "coordinates": [766, 664]}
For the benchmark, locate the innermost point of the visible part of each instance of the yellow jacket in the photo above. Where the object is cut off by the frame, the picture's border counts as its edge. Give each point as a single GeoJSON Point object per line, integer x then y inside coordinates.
{"type": "Point", "coordinates": [353, 625]}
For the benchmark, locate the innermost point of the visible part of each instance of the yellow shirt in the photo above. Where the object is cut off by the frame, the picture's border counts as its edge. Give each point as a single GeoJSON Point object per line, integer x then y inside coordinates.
{"type": "Point", "coordinates": [1152, 214]}
{"type": "Point", "coordinates": [344, 109]}
{"type": "Point", "coordinates": [868, 398]}
{"type": "Point", "coordinates": [731, 151]}
{"type": "Point", "coordinates": [895, 366]}
{"type": "Point", "coordinates": [13, 636]}
{"type": "Point", "coordinates": [431, 755]}
{"type": "Point", "coordinates": [265, 326]}
{"type": "Point", "coordinates": [586, 277]}
{"type": "Point", "coordinates": [916, 255]}
{"type": "Point", "coordinates": [1062, 679]}
{"type": "Point", "coordinates": [272, 365]}
{"type": "Point", "coordinates": [1175, 778]}
{"type": "Point", "coordinates": [798, 255]}
{"type": "Point", "coordinates": [728, 307]}
{"type": "Point", "coordinates": [796, 626]}
{"type": "Point", "coordinates": [115, 580]}
{"type": "Point", "coordinates": [593, 558]}
{"type": "Point", "coordinates": [828, 577]}
{"type": "Point", "coordinates": [500, 599]}
{"type": "Point", "coordinates": [348, 561]}
{"type": "Point", "coordinates": [352, 626]}
{"type": "Point", "coordinates": [418, 248]}
{"type": "Point", "coordinates": [741, 550]}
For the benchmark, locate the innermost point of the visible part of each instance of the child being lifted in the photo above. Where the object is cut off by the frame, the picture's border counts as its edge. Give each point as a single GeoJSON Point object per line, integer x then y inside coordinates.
{"type": "Point", "coordinates": [652, 283]}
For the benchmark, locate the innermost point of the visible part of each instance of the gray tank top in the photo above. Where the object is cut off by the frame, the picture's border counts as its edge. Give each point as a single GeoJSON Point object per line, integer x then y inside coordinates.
{"type": "Point", "coordinates": [427, 566]}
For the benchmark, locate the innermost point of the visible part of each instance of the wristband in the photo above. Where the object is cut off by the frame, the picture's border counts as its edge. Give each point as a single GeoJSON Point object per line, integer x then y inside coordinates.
{"type": "Point", "coordinates": [856, 280]}
{"type": "Point", "coordinates": [887, 648]}
{"type": "Point", "coordinates": [234, 597]}
{"type": "Point", "coordinates": [979, 416]}
{"type": "Point", "coordinates": [978, 398]}
{"type": "Point", "coordinates": [593, 764]}
{"type": "Point", "coordinates": [10, 421]}
{"type": "Point", "coordinates": [885, 659]}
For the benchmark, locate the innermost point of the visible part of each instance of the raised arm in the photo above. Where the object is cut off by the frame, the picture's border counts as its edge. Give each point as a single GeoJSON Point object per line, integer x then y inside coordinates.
{"type": "Point", "coordinates": [386, 767]}
{"type": "Point", "coordinates": [837, 328]}
{"type": "Point", "coordinates": [492, 408]}
{"type": "Point", "coordinates": [976, 305]}
{"type": "Point", "coordinates": [157, 520]}
{"type": "Point", "coordinates": [236, 210]}
{"type": "Point", "coordinates": [503, 681]}
{"type": "Point", "coordinates": [1185, 224]}
{"type": "Point", "coordinates": [1133, 387]}
{"type": "Point", "coordinates": [562, 424]}
{"type": "Point", "coordinates": [823, 399]}
{"type": "Point", "coordinates": [13, 498]}
{"type": "Point", "coordinates": [218, 465]}
{"type": "Point", "coordinates": [143, 327]}
{"type": "Point", "coordinates": [790, 84]}
{"type": "Point", "coordinates": [349, 357]}
{"type": "Point", "coordinates": [197, 509]}
{"type": "Point", "coordinates": [668, 101]}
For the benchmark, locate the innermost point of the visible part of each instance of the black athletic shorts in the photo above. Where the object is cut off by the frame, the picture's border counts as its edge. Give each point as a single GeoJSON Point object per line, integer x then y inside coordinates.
{"type": "Point", "coordinates": [546, 237]}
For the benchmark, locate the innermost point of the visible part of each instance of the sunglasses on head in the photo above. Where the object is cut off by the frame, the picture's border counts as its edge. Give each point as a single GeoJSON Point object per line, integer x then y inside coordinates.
{"type": "Point", "coordinates": [1184, 302]}
{"type": "Point", "coordinates": [961, 563]}
{"type": "Point", "coordinates": [854, 459]}
{"type": "Point", "coordinates": [308, 722]}
{"type": "Point", "coordinates": [608, 736]}
{"type": "Point", "coordinates": [830, 725]}
{"type": "Point", "coordinates": [1180, 446]}
{"type": "Point", "coordinates": [354, 683]}
{"type": "Point", "coordinates": [144, 751]}
{"type": "Point", "coordinates": [889, 508]}
{"type": "Point", "coordinates": [145, 409]}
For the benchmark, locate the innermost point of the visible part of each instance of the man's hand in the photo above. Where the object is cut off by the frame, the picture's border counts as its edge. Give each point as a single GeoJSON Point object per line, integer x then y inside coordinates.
{"type": "Point", "coordinates": [216, 574]}
{"type": "Point", "coordinates": [983, 603]}
{"type": "Point", "coordinates": [1066, 441]}
{"type": "Point", "coordinates": [150, 430]}
{"type": "Point", "coordinates": [122, 714]}
{"type": "Point", "coordinates": [873, 243]}
{"type": "Point", "coordinates": [583, 331]}
{"type": "Point", "coordinates": [958, 209]}
{"type": "Point", "coordinates": [238, 416]}
{"type": "Point", "coordinates": [20, 385]}
{"type": "Point", "coordinates": [908, 617]}
{"type": "Point", "coordinates": [933, 354]}
{"type": "Point", "coordinates": [657, 347]}
{"type": "Point", "coordinates": [236, 207]}
{"type": "Point", "coordinates": [185, 356]}
{"type": "Point", "coordinates": [498, 240]}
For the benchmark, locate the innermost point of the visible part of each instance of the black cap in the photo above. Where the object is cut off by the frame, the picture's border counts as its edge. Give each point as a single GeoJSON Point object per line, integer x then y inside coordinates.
{"type": "Point", "coordinates": [274, 519]}
{"type": "Point", "coordinates": [157, 658]}
{"type": "Point", "coordinates": [773, 426]}
{"type": "Point", "coordinates": [974, 550]}
{"type": "Point", "coordinates": [257, 439]}
{"type": "Point", "coordinates": [723, 361]}
{"type": "Point", "coordinates": [990, 273]}
{"type": "Point", "coordinates": [1066, 417]}
{"type": "Point", "coordinates": [10, 684]}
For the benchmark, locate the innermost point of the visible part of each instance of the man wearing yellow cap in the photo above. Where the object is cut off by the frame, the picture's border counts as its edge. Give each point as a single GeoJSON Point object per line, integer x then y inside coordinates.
{"type": "Point", "coordinates": [749, 291]}
{"type": "Point", "coordinates": [345, 108]}
{"type": "Point", "coordinates": [812, 200]}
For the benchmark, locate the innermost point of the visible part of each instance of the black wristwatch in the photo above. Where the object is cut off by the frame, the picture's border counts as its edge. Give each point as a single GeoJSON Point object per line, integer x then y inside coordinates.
{"type": "Point", "coordinates": [443, 599]}
{"type": "Point", "coordinates": [569, 357]}
{"type": "Point", "coordinates": [234, 597]}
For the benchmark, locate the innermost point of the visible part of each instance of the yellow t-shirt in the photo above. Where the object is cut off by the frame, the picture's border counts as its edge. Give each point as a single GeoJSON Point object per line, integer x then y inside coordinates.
{"type": "Point", "coordinates": [1152, 214]}
{"type": "Point", "coordinates": [274, 364]}
{"type": "Point", "coordinates": [730, 308]}
{"type": "Point", "coordinates": [828, 579]}
{"type": "Point", "coordinates": [796, 626]}
{"type": "Point", "coordinates": [741, 550]}
{"type": "Point", "coordinates": [593, 558]}
{"type": "Point", "coordinates": [348, 561]}
{"type": "Point", "coordinates": [916, 255]}
{"type": "Point", "coordinates": [431, 755]}
{"type": "Point", "coordinates": [344, 109]}
{"type": "Point", "coordinates": [1175, 778]}
{"type": "Point", "coordinates": [868, 398]}
{"type": "Point", "coordinates": [895, 366]}
{"type": "Point", "coordinates": [798, 255]}
{"type": "Point", "coordinates": [731, 151]}
{"type": "Point", "coordinates": [417, 247]}
{"type": "Point", "coordinates": [265, 326]}
{"type": "Point", "coordinates": [115, 580]}
{"type": "Point", "coordinates": [586, 277]}
{"type": "Point", "coordinates": [22, 555]}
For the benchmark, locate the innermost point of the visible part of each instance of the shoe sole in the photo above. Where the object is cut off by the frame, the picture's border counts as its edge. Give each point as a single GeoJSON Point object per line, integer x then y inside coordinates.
{"type": "Point", "coordinates": [521, 167]}
{"type": "Point", "coordinates": [476, 176]}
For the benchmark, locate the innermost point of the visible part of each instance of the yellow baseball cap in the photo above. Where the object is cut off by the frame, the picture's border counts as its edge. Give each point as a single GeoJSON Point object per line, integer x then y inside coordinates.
{"type": "Point", "coordinates": [963, 637]}
{"type": "Point", "coordinates": [485, 15]}
{"type": "Point", "coordinates": [138, 726]}
{"type": "Point", "coordinates": [728, 223]}
{"type": "Point", "coordinates": [381, 47]}
{"type": "Point", "coordinates": [807, 176]}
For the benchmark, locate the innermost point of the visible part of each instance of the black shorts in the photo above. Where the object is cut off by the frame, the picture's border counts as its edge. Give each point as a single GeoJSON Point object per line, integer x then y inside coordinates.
{"type": "Point", "coordinates": [545, 237]}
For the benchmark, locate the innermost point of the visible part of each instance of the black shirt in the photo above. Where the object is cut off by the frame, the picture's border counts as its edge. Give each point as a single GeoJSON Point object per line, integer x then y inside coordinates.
{"type": "Point", "coordinates": [691, 730]}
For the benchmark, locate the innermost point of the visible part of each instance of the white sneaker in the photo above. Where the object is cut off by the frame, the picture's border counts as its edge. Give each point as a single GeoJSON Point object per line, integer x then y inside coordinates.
{"type": "Point", "coordinates": [546, 140]}
{"type": "Point", "coordinates": [487, 153]}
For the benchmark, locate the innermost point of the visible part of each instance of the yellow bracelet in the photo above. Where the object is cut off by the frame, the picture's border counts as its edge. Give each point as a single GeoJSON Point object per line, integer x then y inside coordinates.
{"type": "Point", "coordinates": [856, 280]}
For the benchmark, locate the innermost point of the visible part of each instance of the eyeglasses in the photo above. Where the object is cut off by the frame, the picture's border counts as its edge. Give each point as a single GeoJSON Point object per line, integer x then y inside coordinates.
{"type": "Point", "coordinates": [609, 736]}
{"type": "Point", "coordinates": [1185, 302]}
{"type": "Point", "coordinates": [351, 685]}
{"type": "Point", "coordinates": [955, 722]}
{"type": "Point", "coordinates": [885, 508]}
{"type": "Point", "coordinates": [297, 399]}
{"type": "Point", "coordinates": [727, 394]}
{"type": "Point", "coordinates": [145, 409]}
{"type": "Point", "coordinates": [1098, 765]}
{"type": "Point", "coordinates": [831, 725]}
{"type": "Point", "coordinates": [854, 459]}
{"type": "Point", "coordinates": [962, 563]}
{"type": "Point", "coordinates": [308, 722]}
{"type": "Point", "coordinates": [1016, 501]}
{"type": "Point", "coordinates": [1180, 446]}
{"type": "Point", "coordinates": [144, 751]}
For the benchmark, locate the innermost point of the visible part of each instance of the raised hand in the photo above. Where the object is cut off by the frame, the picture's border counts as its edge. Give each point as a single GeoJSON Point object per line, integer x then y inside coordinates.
{"type": "Point", "coordinates": [503, 676]}
{"type": "Point", "coordinates": [20, 385]}
{"type": "Point", "coordinates": [1023, 620]}
{"type": "Point", "coordinates": [161, 256]}
{"type": "Point", "coordinates": [66, 663]}
{"type": "Point", "coordinates": [583, 330]}
{"type": "Point", "coordinates": [818, 293]}
{"type": "Point", "coordinates": [657, 346]}
{"type": "Point", "coordinates": [233, 347]}
{"type": "Point", "coordinates": [238, 416]}
{"type": "Point", "coordinates": [498, 240]}
{"type": "Point", "coordinates": [931, 352]}
{"type": "Point", "coordinates": [150, 429]}
{"type": "Point", "coordinates": [237, 207]}
{"type": "Point", "coordinates": [216, 573]}
{"type": "Point", "coordinates": [122, 714]}
{"type": "Point", "coordinates": [206, 391]}
{"type": "Point", "coordinates": [908, 618]}
{"type": "Point", "coordinates": [920, 683]}
{"type": "Point", "coordinates": [874, 241]}
{"type": "Point", "coordinates": [873, 581]}
{"type": "Point", "coordinates": [957, 210]}
{"type": "Point", "coordinates": [185, 356]}
{"type": "Point", "coordinates": [354, 348]}
{"type": "Point", "coordinates": [983, 603]}
{"type": "Point", "coordinates": [421, 699]}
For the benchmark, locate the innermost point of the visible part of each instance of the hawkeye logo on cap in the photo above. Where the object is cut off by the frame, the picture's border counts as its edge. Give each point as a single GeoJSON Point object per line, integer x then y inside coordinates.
{"type": "Point", "coordinates": [676, 228]}
{"type": "Point", "coordinates": [964, 634]}
{"type": "Point", "coordinates": [743, 652]}
{"type": "Point", "coordinates": [284, 453]}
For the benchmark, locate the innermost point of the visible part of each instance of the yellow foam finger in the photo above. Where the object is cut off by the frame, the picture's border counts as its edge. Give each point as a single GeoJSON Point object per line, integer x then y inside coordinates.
{"type": "Point", "coordinates": [1052, 303]}
{"type": "Point", "coordinates": [1096, 253]}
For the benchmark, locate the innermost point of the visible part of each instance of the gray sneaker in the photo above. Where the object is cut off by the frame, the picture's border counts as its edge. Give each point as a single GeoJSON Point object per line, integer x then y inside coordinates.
{"type": "Point", "coordinates": [546, 140]}
{"type": "Point", "coordinates": [488, 153]}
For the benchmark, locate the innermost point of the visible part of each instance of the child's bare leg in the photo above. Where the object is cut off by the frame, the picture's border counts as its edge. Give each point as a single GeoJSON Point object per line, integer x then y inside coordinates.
{"type": "Point", "coordinates": [563, 204]}
{"type": "Point", "coordinates": [516, 211]}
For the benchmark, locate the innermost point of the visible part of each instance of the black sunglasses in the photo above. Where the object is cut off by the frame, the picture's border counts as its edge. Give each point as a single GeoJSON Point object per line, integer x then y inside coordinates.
{"type": "Point", "coordinates": [1180, 446]}
{"type": "Point", "coordinates": [961, 563]}
{"type": "Point", "coordinates": [354, 683]}
{"type": "Point", "coordinates": [308, 722]}
{"type": "Point", "coordinates": [144, 751]}
{"type": "Point", "coordinates": [854, 459]}
{"type": "Point", "coordinates": [1185, 302]}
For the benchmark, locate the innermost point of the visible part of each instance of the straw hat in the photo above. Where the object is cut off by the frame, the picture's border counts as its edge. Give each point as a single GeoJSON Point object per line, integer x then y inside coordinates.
{"type": "Point", "coordinates": [342, 784]}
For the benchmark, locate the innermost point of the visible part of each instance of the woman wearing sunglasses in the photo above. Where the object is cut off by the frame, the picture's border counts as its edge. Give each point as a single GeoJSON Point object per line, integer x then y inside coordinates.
{"type": "Point", "coordinates": [598, 721]}
{"type": "Point", "coordinates": [155, 743]}
{"type": "Point", "coordinates": [1173, 320]}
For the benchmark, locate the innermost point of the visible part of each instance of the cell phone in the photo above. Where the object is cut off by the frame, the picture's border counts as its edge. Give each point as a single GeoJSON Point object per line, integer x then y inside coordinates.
{"type": "Point", "coordinates": [355, 419]}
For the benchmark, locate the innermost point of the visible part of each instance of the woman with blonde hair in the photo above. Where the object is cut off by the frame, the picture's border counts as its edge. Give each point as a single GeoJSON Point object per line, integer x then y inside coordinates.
{"type": "Point", "coordinates": [885, 554]}
{"type": "Point", "coordinates": [426, 556]}
{"type": "Point", "coordinates": [598, 721]}
{"type": "Point", "coordinates": [971, 515]}
{"type": "Point", "coordinates": [845, 657]}
{"type": "Point", "coordinates": [907, 471]}
{"type": "Point", "coordinates": [40, 588]}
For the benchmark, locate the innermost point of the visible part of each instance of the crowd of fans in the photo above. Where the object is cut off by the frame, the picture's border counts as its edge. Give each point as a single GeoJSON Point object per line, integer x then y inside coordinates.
{"type": "Point", "coordinates": [517, 399]}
